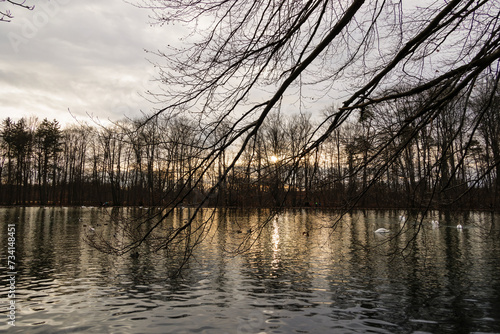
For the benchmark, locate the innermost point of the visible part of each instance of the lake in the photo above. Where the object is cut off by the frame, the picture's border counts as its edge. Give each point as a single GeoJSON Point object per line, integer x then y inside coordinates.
{"type": "Point", "coordinates": [305, 273]}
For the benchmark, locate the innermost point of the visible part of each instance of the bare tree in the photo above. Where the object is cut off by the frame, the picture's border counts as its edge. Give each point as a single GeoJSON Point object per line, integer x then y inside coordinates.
{"type": "Point", "coordinates": [241, 60]}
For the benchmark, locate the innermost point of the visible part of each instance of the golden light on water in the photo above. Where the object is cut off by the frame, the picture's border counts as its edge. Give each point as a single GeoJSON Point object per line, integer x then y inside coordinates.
{"type": "Point", "coordinates": [275, 240]}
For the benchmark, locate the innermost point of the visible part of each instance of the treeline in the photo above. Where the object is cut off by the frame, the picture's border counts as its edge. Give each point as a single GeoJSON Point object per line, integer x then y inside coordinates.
{"type": "Point", "coordinates": [370, 161]}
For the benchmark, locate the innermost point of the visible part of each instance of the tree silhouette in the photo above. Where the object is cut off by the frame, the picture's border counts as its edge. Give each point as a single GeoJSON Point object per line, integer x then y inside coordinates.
{"type": "Point", "coordinates": [47, 139]}
{"type": "Point", "coordinates": [241, 59]}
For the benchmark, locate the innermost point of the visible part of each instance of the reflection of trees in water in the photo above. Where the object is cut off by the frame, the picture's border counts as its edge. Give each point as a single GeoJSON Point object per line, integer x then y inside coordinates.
{"type": "Point", "coordinates": [447, 279]}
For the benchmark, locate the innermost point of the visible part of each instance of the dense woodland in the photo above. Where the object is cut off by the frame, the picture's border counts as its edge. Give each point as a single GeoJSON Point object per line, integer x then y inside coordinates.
{"type": "Point", "coordinates": [450, 161]}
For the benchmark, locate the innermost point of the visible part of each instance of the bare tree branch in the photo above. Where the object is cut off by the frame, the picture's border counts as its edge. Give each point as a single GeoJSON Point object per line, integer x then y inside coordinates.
{"type": "Point", "coordinates": [6, 14]}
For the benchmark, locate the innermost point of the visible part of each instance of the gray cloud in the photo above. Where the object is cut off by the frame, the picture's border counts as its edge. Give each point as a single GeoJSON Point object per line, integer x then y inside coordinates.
{"type": "Point", "coordinates": [84, 56]}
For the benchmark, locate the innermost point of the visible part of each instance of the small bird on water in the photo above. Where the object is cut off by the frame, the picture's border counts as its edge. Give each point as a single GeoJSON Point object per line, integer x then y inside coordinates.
{"type": "Point", "coordinates": [382, 230]}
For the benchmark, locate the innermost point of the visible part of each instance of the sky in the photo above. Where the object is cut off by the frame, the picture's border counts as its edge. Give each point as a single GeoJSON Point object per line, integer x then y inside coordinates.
{"type": "Point", "coordinates": [83, 61]}
{"type": "Point", "coordinates": [78, 61]}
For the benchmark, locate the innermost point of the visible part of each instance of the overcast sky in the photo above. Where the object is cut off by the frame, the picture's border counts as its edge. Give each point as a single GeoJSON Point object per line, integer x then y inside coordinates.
{"type": "Point", "coordinates": [68, 59]}
{"type": "Point", "coordinates": [84, 56]}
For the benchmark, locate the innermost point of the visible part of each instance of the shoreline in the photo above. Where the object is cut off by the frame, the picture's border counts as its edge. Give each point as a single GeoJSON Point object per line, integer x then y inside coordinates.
{"type": "Point", "coordinates": [328, 208]}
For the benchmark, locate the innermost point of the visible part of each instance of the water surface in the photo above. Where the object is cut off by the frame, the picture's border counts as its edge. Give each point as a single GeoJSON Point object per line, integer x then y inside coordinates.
{"type": "Point", "coordinates": [300, 276]}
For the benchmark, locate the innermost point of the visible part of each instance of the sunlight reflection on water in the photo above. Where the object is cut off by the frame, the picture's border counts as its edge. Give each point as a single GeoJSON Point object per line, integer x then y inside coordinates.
{"type": "Point", "coordinates": [299, 276]}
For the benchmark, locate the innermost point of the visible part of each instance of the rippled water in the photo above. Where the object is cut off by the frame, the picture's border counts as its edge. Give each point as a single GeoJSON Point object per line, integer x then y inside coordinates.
{"type": "Point", "coordinates": [342, 280]}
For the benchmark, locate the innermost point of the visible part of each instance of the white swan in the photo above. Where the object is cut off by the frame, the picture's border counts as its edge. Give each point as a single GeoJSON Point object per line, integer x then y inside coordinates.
{"type": "Point", "coordinates": [382, 230]}
{"type": "Point", "coordinates": [459, 226]}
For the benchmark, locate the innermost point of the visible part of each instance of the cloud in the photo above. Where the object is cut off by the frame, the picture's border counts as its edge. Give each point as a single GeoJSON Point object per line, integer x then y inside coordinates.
{"type": "Point", "coordinates": [84, 56]}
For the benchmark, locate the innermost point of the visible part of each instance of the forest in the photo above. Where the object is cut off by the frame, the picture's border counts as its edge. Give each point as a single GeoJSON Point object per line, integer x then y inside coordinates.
{"type": "Point", "coordinates": [451, 160]}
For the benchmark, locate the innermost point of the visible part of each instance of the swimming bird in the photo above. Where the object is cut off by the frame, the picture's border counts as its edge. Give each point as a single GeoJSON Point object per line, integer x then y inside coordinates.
{"type": "Point", "coordinates": [382, 230]}
{"type": "Point", "coordinates": [435, 223]}
{"type": "Point", "coordinates": [459, 226]}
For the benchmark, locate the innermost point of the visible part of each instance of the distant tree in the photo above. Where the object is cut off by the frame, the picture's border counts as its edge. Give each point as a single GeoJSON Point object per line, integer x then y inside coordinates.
{"type": "Point", "coordinates": [74, 173]}
{"type": "Point", "coordinates": [48, 145]}
{"type": "Point", "coordinates": [486, 108]}
{"type": "Point", "coordinates": [18, 139]}
{"type": "Point", "coordinates": [112, 144]}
